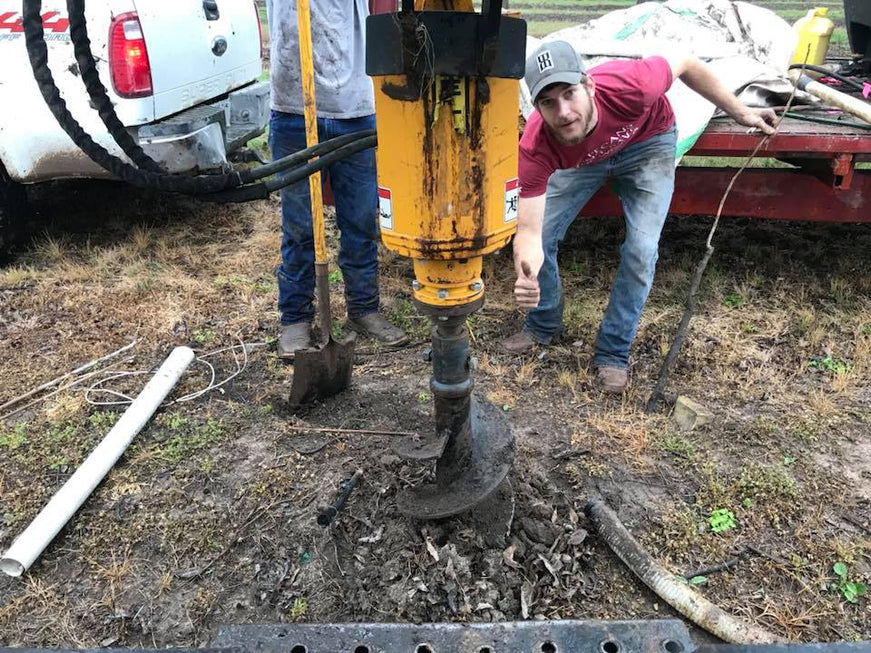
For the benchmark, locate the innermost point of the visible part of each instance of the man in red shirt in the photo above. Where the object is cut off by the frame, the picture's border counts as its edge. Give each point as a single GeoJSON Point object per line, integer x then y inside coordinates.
{"type": "Point", "coordinates": [613, 122]}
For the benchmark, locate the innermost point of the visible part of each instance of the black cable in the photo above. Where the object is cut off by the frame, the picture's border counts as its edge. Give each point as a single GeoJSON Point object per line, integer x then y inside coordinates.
{"type": "Point", "coordinates": [37, 52]}
{"type": "Point", "coordinates": [827, 121]}
{"type": "Point", "coordinates": [296, 158]}
{"type": "Point", "coordinates": [828, 73]}
{"type": "Point", "coordinates": [99, 97]}
{"type": "Point", "coordinates": [262, 190]}
{"type": "Point", "coordinates": [329, 151]}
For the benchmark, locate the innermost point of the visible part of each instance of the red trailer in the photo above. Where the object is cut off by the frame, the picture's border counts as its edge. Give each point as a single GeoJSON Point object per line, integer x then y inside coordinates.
{"type": "Point", "coordinates": [825, 185]}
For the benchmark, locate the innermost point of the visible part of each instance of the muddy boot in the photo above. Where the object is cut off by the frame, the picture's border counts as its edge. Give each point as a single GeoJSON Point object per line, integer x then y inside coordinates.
{"type": "Point", "coordinates": [520, 343]}
{"type": "Point", "coordinates": [611, 379]}
{"type": "Point", "coordinates": [293, 338]}
{"type": "Point", "coordinates": [375, 326]}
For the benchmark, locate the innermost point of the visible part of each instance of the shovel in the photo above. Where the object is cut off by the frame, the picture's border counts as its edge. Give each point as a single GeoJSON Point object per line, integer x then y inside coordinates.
{"type": "Point", "coordinates": [324, 370]}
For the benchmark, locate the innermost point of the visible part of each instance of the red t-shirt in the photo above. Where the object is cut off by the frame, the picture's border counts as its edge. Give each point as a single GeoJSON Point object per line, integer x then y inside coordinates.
{"type": "Point", "coordinates": [630, 98]}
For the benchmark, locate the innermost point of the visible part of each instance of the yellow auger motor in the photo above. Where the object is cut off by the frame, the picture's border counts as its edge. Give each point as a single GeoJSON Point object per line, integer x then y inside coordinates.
{"type": "Point", "coordinates": [446, 101]}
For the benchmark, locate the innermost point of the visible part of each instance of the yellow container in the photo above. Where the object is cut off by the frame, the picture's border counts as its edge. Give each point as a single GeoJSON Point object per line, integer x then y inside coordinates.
{"type": "Point", "coordinates": [814, 32]}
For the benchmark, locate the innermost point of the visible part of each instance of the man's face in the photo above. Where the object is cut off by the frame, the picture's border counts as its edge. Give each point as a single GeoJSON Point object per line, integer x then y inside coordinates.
{"type": "Point", "coordinates": [569, 111]}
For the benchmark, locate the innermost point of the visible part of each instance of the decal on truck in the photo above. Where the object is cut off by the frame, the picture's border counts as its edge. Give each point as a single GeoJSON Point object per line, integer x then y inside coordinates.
{"type": "Point", "coordinates": [55, 25]}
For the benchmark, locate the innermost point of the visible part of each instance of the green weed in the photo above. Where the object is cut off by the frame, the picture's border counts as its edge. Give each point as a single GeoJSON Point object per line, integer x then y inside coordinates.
{"type": "Point", "coordinates": [335, 276]}
{"type": "Point", "coordinates": [404, 315]}
{"type": "Point", "coordinates": [15, 438]}
{"type": "Point", "coordinates": [182, 446]}
{"type": "Point", "coordinates": [677, 445]}
{"type": "Point", "coordinates": [851, 590]}
{"type": "Point", "coordinates": [733, 300]}
{"type": "Point", "coordinates": [722, 520]}
{"type": "Point", "coordinates": [204, 336]}
{"type": "Point", "coordinates": [830, 364]}
{"type": "Point", "coordinates": [103, 420]}
{"type": "Point", "coordinates": [297, 610]}
{"type": "Point", "coordinates": [766, 482]}
{"type": "Point", "coordinates": [174, 421]}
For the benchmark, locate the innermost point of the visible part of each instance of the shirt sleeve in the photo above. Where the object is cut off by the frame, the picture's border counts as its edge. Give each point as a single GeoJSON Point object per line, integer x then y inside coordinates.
{"type": "Point", "coordinates": [654, 78]}
{"type": "Point", "coordinates": [534, 172]}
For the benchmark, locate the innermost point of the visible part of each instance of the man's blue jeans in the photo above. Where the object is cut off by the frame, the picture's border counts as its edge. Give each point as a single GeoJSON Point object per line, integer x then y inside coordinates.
{"type": "Point", "coordinates": [355, 193]}
{"type": "Point", "coordinates": [644, 175]}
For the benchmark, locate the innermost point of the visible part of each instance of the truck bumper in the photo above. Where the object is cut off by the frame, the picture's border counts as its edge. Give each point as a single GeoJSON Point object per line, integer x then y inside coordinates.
{"type": "Point", "coordinates": [195, 140]}
{"type": "Point", "coordinates": [200, 138]}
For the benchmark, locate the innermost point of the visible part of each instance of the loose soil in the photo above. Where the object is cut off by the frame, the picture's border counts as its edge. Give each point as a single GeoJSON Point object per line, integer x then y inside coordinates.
{"type": "Point", "coordinates": [209, 518]}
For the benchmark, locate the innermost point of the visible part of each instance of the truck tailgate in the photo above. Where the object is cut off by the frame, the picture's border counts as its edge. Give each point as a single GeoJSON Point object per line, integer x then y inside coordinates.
{"type": "Point", "coordinates": [214, 47]}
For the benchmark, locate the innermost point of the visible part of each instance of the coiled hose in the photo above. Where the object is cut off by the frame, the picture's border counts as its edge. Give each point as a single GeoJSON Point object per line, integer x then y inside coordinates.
{"type": "Point", "coordinates": [227, 187]}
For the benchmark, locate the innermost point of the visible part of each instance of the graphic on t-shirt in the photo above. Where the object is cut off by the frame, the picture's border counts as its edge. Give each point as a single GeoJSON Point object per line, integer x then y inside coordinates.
{"type": "Point", "coordinates": [613, 144]}
{"type": "Point", "coordinates": [545, 61]}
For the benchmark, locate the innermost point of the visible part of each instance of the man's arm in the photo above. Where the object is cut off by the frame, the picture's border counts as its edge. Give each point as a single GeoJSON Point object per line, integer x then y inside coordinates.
{"type": "Point", "coordinates": [528, 250]}
{"type": "Point", "coordinates": [702, 80]}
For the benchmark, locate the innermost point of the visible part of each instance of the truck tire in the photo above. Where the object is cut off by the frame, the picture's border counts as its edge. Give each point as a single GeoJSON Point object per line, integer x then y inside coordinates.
{"type": "Point", "coordinates": [13, 212]}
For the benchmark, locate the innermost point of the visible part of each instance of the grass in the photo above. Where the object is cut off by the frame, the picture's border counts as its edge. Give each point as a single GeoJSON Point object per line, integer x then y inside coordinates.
{"type": "Point", "coordinates": [211, 504]}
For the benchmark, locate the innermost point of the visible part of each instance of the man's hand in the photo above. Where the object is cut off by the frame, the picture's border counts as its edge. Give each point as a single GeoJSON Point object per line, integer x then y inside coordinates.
{"type": "Point", "coordinates": [528, 259]}
{"type": "Point", "coordinates": [765, 120]}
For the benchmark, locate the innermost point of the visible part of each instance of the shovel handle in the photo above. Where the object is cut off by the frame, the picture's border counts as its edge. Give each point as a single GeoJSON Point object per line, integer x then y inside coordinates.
{"type": "Point", "coordinates": [306, 63]}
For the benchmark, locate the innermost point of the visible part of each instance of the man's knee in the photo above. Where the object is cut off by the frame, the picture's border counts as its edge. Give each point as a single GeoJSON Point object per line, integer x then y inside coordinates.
{"type": "Point", "coordinates": [640, 253]}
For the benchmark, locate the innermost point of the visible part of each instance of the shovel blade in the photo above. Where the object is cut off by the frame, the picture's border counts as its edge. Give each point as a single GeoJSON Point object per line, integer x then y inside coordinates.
{"type": "Point", "coordinates": [321, 372]}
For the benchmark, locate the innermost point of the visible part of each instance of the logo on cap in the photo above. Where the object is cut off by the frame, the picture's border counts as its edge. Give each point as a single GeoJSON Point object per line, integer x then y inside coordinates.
{"type": "Point", "coordinates": [545, 61]}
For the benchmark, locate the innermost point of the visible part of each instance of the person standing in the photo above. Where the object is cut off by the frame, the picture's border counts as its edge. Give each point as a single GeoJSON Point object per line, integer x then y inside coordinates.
{"type": "Point", "coordinates": [345, 104]}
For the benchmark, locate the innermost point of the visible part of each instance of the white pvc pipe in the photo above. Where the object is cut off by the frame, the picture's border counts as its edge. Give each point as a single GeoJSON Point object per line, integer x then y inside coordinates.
{"type": "Point", "coordinates": [78, 488]}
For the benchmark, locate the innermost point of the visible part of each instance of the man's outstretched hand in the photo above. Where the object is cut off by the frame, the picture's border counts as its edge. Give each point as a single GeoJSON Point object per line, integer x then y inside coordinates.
{"type": "Point", "coordinates": [765, 120]}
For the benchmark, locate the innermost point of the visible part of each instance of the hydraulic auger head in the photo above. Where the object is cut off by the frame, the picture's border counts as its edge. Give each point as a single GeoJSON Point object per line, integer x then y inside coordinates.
{"type": "Point", "coordinates": [446, 100]}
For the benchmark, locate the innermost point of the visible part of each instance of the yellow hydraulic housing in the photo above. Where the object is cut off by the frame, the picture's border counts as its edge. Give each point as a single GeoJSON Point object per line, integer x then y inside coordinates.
{"type": "Point", "coordinates": [447, 172]}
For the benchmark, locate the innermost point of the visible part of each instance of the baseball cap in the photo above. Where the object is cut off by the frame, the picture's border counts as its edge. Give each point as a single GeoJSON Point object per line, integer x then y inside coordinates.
{"type": "Point", "coordinates": [552, 62]}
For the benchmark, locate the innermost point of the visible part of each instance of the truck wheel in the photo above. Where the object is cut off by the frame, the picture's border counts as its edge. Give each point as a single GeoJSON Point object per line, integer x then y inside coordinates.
{"type": "Point", "coordinates": [13, 212]}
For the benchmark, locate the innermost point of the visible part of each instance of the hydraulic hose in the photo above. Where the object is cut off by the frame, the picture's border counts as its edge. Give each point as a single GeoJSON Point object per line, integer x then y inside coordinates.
{"type": "Point", "coordinates": [329, 151]}
{"type": "Point", "coordinates": [99, 97]}
{"type": "Point", "coordinates": [827, 121]}
{"type": "Point", "coordinates": [37, 51]}
{"type": "Point", "coordinates": [297, 158]}
{"type": "Point", "coordinates": [262, 190]}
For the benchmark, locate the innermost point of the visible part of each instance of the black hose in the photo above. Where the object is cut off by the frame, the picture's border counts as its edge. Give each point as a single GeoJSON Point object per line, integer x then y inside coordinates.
{"type": "Point", "coordinates": [218, 185]}
{"type": "Point", "coordinates": [827, 121]}
{"type": "Point", "coordinates": [828, 73]}
{"type": "Point", "coordinates": [262, 190]}
{"type": "Point", "coordinates": [38, 54]}
{"type": "Point", "coordinates": [99, 97]}
{"type": "Point", "coordinates": [296, 158]}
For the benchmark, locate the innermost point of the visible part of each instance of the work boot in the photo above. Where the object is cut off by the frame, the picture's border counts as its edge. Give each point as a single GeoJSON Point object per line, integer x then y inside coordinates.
{"type": "Point", "coordinates": [611, 379]}
{"type": "Point", "coordinates": [375, 326]}
{"type": "Point", "coordinates": [293, 338]}
{"type": "Point", "coordinates": [520, 343]}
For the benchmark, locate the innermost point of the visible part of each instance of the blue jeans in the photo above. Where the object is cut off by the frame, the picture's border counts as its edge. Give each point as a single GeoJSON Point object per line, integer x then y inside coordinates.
{"type": "Point", "coordinates": [644, 173]}
{"type": "Point", "coordinates": [355, 193]}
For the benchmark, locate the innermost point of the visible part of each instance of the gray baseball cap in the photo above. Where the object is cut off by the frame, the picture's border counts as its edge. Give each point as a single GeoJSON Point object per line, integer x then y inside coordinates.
{"type": "Point", "coordinates": [553, 62]}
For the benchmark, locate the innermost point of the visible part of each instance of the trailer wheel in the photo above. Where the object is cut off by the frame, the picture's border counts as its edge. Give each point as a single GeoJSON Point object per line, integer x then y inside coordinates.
{"type": "Point", "coordinates": [13, 212]}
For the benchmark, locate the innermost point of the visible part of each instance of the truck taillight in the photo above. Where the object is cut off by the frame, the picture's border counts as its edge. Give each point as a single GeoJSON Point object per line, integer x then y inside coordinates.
{"type": "Point", "coordinates": [128, 57]}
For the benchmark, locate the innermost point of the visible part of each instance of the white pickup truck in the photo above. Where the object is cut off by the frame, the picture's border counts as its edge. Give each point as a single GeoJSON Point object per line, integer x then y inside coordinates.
{"type": "Point", "coordinates": [181, 74]}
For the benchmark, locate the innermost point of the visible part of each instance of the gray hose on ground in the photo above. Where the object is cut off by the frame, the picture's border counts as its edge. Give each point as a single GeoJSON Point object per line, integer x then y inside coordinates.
{"type": "Point", "coordinates": [677, 594]}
